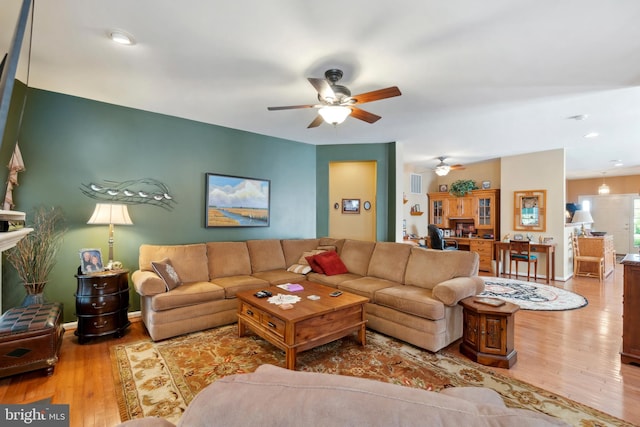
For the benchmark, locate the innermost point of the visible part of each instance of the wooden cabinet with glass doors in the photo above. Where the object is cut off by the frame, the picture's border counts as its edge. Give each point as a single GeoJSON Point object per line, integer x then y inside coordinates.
{"type": "Point", "coordinates": [487, 210]}
{"type": "Point", "coordinates": [438, 209]}
{"type": "Point", "coordinates": [483, 206]}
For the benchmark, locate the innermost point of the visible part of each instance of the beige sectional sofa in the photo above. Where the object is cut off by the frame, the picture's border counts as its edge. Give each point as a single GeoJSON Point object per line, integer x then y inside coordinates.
{"type": "Point", "coordinates": [273, 396]}
{"type": "Point", "coordinates": [413, 292]}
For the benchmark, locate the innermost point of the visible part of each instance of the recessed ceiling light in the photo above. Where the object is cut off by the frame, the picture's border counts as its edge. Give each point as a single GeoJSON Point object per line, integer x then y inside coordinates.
{"type": "Point", "coordinates": [592, 135]}
{"type": "Point", "coordinates": [121, 37]}
{"type": "Point", "coordinates": [617, 163]}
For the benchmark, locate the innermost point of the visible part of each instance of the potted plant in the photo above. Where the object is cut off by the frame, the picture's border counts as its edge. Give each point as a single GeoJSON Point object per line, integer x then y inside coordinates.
{"type": "Point", "coordinates": [34, 256]}
{"type": "Point", "coordinates": [461, 187]}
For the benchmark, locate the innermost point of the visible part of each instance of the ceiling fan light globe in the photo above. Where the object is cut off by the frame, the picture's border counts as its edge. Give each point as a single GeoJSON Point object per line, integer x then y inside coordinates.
{"type": "Point", "coordinates": [442, 170]}
{"type": "Point", "coordinates": [334, 115]}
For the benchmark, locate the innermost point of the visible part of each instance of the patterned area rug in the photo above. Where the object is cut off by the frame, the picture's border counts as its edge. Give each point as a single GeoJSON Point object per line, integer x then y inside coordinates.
{"type": "Point", "coordinates": [532, 296]}
{"type": "Point", "coordinates": [161, 378]}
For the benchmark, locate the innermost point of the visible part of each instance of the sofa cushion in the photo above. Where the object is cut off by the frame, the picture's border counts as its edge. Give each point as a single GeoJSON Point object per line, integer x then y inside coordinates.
{"type": "Point", "coordinates": [389, 261]}
{"type": "Point", "coordinates": [228, 259]}
{"type": "Point", "coordinates": [277, 277]}
{"type": "Point", "coordinates": [428, 267]}
{"type": "Point", "coordinates": [366, 286]}
{"type": "Point", "coordinates": [187, 294]}
{"type": "Point", "coordinates": [266, 255]}
{"type": "Point", "coordinates": [314, 399]}
{"type": "Point", "coordinates": [189, 261]}
{"type": "Point", "coordinates": [234, 284]}
{"type": "Point", "coordinates": [356, 254]}
{"type": "Point", "coordinates": [167, 273]}
{"type": "Point", "coordinates": [293, 249]}
{"type": "Point", "coordinates": [329, 243]}
{"type": "Point", "coordinates": [332, 281]}
{"type": "Point", "coordinates": [411, 300]}
{"type": "Point", "coordinates": [330, 263]}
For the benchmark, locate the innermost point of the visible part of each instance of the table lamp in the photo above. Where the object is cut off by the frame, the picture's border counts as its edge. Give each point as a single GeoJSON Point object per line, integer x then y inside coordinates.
{"type": "Point", "coordinates": [582, 217]}
{"type": "Point", "coordinates": [111, 214]}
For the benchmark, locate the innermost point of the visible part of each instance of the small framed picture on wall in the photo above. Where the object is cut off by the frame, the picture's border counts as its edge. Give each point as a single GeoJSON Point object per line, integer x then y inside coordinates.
{"type": "Point", "coordinates": [350, 206]}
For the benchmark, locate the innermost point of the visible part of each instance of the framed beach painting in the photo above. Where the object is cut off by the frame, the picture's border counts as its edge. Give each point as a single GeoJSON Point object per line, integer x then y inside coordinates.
{"type": "Point", "coordinates": [235, 201]}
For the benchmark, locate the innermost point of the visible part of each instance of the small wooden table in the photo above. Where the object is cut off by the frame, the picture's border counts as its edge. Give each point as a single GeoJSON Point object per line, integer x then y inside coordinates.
{"type": "Point", "coordinates": [548, 248]}
{"type": "Point", "coordinates": [309, 324]}
{"type": "Point", "coordinates": [488, 333]}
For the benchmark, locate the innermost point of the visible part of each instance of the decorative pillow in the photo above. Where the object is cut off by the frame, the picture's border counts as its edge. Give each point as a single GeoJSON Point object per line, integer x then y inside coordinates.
{"type": "Point", "coordinates": [331, 263]}
{"type": "Point", "coordinates": [303, 257]}
{"type": "Point", "coordinates": [314, 265]}
{"type": "Point", "coordinates": [165, 270]}
{"type": "Point", "coordinates": [300, 268]}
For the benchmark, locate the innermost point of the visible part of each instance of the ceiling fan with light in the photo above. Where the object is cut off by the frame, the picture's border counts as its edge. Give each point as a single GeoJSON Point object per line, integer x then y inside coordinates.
{"type": "Point", "coordinates": [337, 103]}
{"type": "Point", "coordinates": [443, 168]}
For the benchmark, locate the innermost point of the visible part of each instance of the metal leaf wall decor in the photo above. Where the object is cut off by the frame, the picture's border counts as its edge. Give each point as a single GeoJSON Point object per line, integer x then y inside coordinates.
{"type": "Point", "coordinates": [145, 191]}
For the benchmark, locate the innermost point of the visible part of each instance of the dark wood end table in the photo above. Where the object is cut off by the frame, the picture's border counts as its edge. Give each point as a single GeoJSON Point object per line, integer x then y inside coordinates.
{"type": "Point", "coordinates": [488, 333]}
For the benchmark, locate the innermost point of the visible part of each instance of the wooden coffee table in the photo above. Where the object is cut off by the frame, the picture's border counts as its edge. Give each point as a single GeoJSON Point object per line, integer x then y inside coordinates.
{"type": "Point", "coordinates": [309, 324]}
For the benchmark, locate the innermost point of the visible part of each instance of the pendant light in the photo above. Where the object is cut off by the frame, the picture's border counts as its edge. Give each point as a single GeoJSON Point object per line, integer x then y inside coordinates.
{"type": "Point", "coordinates": [604, 188]}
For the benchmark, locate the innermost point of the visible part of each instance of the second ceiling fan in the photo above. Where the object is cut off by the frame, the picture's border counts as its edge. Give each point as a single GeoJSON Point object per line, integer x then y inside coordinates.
{"type": "Point", "coordinates": [443, 168]}
{"type": "Point", "coordinates": [337, 103]}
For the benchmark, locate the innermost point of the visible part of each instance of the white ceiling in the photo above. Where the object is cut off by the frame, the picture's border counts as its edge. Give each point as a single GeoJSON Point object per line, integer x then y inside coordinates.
{"type": "Point", "coordinates": [479, 79]}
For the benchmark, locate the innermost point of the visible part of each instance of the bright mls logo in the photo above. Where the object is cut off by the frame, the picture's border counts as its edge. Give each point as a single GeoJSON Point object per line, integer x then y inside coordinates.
{"type": "Point", "coordinates": [34, 415]}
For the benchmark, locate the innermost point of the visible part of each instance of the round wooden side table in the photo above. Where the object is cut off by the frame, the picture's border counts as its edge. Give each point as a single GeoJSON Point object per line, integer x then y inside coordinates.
{"type": "Point", "coordinates": [488, 332]}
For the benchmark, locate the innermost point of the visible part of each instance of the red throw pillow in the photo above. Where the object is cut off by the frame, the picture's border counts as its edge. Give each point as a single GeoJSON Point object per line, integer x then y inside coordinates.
{"type": "Point", "coordinates": [314, 265]}
{"type": "Point", "coordinates": [331, 263]}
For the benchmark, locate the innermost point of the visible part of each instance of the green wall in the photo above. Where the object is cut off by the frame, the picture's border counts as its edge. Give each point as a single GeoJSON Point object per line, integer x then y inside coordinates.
{"type": "Point", "coordinates": [68, 141]}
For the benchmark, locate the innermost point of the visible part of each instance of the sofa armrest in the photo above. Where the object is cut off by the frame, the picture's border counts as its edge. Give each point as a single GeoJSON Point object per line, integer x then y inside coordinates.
{"type": "Point", "coordinates": [148, 283]}
{"type": "Point", "coordinates": [451, 291]}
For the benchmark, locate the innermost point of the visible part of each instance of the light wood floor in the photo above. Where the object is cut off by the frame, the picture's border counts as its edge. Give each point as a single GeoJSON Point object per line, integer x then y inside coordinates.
{"type": "Point", "coordinates": [571, 353]}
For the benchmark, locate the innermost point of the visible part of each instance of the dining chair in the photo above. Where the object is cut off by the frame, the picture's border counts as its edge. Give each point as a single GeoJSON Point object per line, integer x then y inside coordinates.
{"type": "Point", "coordinates": [579, 260]}
{"type": "Point", "coordinates": [520, 251]}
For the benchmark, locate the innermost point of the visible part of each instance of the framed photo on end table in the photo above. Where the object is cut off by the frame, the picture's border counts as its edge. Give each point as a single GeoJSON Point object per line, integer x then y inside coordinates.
{"type": "Point", "coordinates": [91, 261]}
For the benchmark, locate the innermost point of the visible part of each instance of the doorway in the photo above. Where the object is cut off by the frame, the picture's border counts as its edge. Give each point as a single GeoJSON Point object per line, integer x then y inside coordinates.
{"type": "Point", "coordinates": [617, 214]}
{"type": "Point", "coordinates": [352, 200]}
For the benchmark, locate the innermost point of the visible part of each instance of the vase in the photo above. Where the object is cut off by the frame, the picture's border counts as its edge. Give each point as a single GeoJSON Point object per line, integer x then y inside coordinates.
{"type": "Point", "coordinates": [35, 294]}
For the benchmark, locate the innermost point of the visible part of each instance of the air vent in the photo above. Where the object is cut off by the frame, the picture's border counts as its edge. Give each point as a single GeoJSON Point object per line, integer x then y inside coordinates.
{"type": "Point", "coordinates": [416, 183]}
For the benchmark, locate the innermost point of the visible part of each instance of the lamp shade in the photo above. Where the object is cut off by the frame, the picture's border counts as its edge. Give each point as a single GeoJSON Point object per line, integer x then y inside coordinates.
{"type": "Point", "coordinates": [106, 213]}
{"type": "Point", "coordinates": [582, 217]}
{"type": "Point", "coordinates": [334, 114]}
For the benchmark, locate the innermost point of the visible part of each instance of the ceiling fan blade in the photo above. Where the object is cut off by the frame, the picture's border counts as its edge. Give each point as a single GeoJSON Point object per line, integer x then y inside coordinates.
{"type": "Point", "coordinates": [291, 107]}
{"type": "Point", "coordinates": [323, 87]}
{"type": "Point", "coordinates": [364, 115]}
{"type": "Point", "coordinates": [316, 122]}
{"type": "Point", "coordinates": [375, 95]}
{"type": "Point", "coordinates": [458, 167]}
